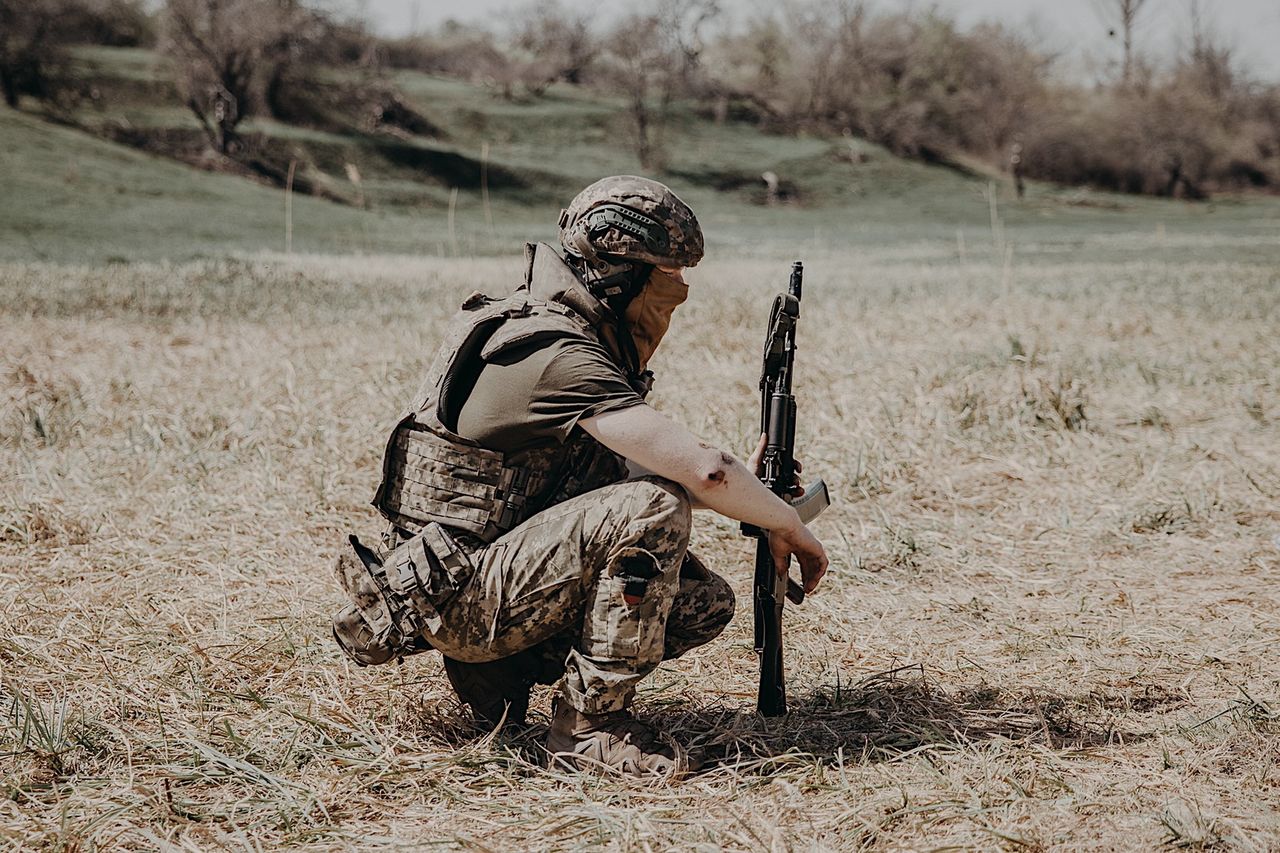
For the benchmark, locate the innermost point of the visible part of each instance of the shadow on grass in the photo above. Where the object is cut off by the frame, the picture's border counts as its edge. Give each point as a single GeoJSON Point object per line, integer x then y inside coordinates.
{"type": "Point", "coordinates": [877, 718]}
{"type": "Point", "coordinates": [890, 713]}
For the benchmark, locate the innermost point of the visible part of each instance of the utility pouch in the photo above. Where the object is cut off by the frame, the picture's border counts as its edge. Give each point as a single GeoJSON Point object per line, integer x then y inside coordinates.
{"type": "Point", "coordinates": [426, 571]}
{"type": "Point", "coordinates": [396, 599]}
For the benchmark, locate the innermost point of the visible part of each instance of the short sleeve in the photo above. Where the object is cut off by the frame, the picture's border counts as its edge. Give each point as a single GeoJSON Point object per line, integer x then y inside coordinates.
{"type": "Point", "coordinates": [579, 381]}
{"type": "Point", "coordinates": [537, 399]}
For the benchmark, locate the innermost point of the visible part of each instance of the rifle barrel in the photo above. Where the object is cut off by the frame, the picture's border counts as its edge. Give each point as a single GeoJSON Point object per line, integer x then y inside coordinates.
{"type": "Point", "coordinates": [797, 277]}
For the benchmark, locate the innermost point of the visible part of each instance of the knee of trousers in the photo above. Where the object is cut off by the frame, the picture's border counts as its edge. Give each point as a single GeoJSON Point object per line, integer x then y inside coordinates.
{"type": "Point", "coordinates": [720, 604]}
{"type": "Point", "coordinates": [663, 508]}
{"type": "Point", "coordinates": [701, 614]}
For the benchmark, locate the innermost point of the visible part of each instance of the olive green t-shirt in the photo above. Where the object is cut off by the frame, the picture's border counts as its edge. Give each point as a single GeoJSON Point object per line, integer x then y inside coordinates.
{"type": "Point", "coordinates": [534, 398]}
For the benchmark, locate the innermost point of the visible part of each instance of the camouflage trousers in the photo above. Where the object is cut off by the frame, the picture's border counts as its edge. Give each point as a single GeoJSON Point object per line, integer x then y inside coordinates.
{"type": "Point", "coordinates": [602, 580]}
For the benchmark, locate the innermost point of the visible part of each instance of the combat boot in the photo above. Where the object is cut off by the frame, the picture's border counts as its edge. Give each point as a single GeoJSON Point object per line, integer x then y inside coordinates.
{"type": "Point", "coordinates": [496, 690]}
{"type": "Point", "coordinates": [613, 743]}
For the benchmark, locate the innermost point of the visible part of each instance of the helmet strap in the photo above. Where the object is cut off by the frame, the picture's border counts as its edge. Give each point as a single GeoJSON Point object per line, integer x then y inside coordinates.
{"type": "Point", "coordinates": [615, 282]}
{"type": "Point", "coordinates": [612, 280]}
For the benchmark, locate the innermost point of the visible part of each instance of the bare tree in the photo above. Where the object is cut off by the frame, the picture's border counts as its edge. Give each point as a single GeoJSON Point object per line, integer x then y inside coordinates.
{"type": "Point", "coordinates": [656, 60]}
{"type": "Point", "coordinates": [300, 38]}
{"type": "Point", "coordinates": [647, 69]}
{"type": "Point", "coordinates": [766, 49]}
{"type": "Point", "coordinates": [1122, 15]}
{"type": "Point", "coordinates": [802, 63]}
{"type": "Point", "coordinates": [225, 51]}
{"type": "Point", "coordinates": [559, 41]}
{"type": "Point", "coordinates": [643, 58]}
{"type": "Point", "coordinates": [1210, 59]}
{"type": "Point", "coordinates": [688, 22]}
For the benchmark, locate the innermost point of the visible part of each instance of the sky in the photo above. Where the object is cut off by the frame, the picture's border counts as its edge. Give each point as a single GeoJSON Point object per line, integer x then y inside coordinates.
{"type": "Point", "coordinates": [1072, 28]}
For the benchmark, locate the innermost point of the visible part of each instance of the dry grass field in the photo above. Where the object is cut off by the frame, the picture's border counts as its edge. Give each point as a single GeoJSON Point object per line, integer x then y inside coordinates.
{"type": "Point", "coordinates": [1053, 624]}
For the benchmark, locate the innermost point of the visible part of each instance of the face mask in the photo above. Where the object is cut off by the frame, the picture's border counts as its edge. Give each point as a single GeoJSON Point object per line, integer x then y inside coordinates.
{"type": "Point", "coordinates": [649, 313]}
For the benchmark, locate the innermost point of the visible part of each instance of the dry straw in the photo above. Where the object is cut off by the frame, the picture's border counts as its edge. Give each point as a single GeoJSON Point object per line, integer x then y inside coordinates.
{"type": "Point", "coordinates": [1052, 622]}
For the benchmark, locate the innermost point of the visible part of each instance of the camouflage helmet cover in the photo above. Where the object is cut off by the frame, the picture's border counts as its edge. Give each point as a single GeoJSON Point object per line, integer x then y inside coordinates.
{"type": "Point", "coordinates": [632, 217]}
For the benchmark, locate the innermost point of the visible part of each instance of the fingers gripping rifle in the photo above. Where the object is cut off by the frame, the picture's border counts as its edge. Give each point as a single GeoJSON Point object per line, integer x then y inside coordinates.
{"type": "Point", "coordinates": [777, 471]}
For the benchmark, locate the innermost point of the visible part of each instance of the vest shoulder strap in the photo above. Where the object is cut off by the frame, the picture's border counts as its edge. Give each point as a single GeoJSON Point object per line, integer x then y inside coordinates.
{"type": "Point", "coordinates": [545, 322]}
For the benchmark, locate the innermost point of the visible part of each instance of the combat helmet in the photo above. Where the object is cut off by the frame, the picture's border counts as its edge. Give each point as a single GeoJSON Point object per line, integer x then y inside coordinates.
{"type": "Point", "coordinates": [620, 223]}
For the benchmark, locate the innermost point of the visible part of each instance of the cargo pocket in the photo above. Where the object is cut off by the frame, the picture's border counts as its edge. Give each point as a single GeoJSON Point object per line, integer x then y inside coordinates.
{"type": "Point", "coordinates": [691, 568]}
{"type": "Point", "coordinates": [396, 600]}
{"type": "Point", "coordinates": [627, 613]}
{"type": "Point", "coordinates": [357, 570]}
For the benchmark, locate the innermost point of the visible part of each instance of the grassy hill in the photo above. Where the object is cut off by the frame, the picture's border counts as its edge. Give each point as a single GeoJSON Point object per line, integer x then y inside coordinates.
{"type": "Point", "coordinates": [74, 194]}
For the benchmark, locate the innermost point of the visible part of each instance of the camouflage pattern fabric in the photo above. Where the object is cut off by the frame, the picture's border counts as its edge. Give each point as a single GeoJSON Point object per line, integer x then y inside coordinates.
{"type": "Point", "coordinates": [703, 607]}
{"type": "Point", "coordinates": [656, 201]}
{"type": "Point", "coordinates": [606, 570]}
{"type": "Point", "coordinates": [395, 598]}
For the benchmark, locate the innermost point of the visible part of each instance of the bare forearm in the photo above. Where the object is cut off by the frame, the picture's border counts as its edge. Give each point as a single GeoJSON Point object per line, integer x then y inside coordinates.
{"type": "Point", "coordinates": [712, 477]}
{"type": "Point", "coordinates": [727, 486]}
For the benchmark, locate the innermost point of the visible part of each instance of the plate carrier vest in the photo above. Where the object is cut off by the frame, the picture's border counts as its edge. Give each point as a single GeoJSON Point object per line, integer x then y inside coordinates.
{"type": "Point", "coordinates": [445, 495]}
{"type": "Point", "coordinates": [432, 474]}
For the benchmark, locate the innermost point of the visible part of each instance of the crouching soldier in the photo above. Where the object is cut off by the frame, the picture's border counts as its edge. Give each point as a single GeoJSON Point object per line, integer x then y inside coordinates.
{"type": "Point", "coordinates": [519, 545]}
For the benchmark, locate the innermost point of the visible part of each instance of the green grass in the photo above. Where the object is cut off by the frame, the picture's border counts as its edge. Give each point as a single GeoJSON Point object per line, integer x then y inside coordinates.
{"type": "Point", "coordinates": [71, 196]}
{"type": "Point", "coordinates": [122, 64]}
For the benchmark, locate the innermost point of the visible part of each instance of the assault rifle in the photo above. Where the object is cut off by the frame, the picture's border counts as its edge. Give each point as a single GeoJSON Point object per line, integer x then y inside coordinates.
{"type": "Point", "coordinates": [778, 472]}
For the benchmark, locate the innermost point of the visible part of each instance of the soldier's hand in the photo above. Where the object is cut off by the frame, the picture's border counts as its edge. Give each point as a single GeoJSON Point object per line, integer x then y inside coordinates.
{"type": "Point", "coordinates": [804, 546]}
{"type": "Point", "coordinates": [756, 463]}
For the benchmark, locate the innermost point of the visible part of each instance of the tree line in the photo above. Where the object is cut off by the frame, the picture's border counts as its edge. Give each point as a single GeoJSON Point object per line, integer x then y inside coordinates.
{"type": "Point", "coordinates": [912, 81]}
